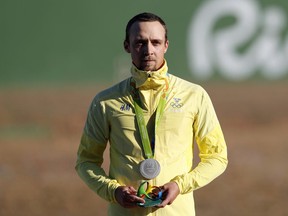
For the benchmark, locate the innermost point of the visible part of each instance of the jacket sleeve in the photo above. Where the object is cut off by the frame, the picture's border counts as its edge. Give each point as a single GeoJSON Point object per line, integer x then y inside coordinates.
{"type": "Point", "coordinates": [212, 148]}
{"type": "Point", "coordinates": [90, 153]}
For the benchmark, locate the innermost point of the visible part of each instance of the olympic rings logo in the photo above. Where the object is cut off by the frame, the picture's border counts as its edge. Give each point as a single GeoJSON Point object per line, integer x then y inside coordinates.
{"type": "Point", "coordinates": [176, 105]}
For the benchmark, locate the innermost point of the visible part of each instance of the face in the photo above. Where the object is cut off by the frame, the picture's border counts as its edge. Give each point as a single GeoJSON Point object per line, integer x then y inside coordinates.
{"type": "Point", "coordinates": [147, 45]}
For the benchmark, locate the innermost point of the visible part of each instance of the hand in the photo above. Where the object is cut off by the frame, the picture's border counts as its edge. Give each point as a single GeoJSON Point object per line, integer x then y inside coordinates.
{"type": "Point", "coordinates": [127, 197]}
{"type": "Point", "coordinates": [170, 192]}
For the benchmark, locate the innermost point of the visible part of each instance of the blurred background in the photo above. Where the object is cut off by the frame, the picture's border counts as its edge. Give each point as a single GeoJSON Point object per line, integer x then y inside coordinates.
{"type": "Point", "coordinates": [56, 55]}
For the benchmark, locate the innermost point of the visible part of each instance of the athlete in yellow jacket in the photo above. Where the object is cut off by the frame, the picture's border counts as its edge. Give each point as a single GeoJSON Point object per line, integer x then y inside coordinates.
{"type": "Point", "coordinates": [187, 115]}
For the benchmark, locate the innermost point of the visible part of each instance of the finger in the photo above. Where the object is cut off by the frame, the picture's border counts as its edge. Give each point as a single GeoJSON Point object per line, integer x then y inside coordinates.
{"type": "Point", "coordinates": [164, 203]}
{"type": "Point", "coordinates": [132, 200]}
{"type": "Point", "coordinates": [131, 190]}
{"type": "Point", "coordinates": [168, 200]}
{"type": "Point", "coordinates": [138, 199]}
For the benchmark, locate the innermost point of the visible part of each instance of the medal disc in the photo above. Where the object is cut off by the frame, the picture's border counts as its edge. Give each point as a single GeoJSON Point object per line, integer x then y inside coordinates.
{"type": "Point", "coordinates": [150, 168]}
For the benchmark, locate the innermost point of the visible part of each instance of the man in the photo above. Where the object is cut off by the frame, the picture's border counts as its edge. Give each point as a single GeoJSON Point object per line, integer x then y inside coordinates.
{"type": "Point", "coordinates": [154, 107]}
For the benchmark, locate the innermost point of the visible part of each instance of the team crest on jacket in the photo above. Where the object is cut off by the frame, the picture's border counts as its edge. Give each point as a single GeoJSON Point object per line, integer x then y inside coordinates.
{"type": "Point", "coordinates": [176, 105]}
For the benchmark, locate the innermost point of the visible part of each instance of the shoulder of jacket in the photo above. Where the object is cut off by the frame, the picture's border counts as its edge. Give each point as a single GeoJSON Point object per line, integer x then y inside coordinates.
{"type": "Point", "coordinates": [186, 85]}
{"type": "Point", "coordinates": [115, 91]}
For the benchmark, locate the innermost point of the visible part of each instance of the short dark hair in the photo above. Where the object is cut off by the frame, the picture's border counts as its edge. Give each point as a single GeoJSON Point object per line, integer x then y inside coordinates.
{"type": "Point", "coordinates": [145, 17]}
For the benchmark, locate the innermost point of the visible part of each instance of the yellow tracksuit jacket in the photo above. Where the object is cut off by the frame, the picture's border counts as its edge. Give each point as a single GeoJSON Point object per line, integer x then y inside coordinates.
{"type": "Point", "coordinates": [188, 115]}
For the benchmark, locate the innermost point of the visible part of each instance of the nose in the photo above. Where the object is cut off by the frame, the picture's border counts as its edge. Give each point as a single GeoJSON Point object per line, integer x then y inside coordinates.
{"type": "Point", "coordinates": [148, 48]}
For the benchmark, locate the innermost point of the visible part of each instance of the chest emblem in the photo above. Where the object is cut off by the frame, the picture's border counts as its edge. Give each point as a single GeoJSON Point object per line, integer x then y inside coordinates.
{"type": "Point", "coordinates": [176, 103]}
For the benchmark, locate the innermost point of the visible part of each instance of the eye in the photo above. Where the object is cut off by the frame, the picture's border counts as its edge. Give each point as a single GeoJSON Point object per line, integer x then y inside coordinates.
{"type": "Point", "coordinates": [139, 43]}
{"type": "Point", "coordinates": [156, 43]}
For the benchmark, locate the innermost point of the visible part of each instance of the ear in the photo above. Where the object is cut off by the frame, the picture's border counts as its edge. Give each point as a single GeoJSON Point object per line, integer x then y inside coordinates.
{"type": "Point", "coordinates": [126, 46]}
{"type": "Point", "coordinates": [166, 46]}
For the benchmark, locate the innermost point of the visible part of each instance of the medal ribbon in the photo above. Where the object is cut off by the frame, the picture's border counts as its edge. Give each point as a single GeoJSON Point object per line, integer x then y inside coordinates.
{"type": "Point", "coordinates": [140, 117]}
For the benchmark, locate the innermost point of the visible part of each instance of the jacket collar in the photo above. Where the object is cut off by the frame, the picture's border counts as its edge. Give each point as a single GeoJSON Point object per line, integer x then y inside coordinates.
{"type": "Point", "coordinates": [149, 79]}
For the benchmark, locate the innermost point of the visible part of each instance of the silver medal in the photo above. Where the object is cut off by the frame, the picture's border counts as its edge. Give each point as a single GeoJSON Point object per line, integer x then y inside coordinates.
{"type": "Point", "coordinates": [150, 168]}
